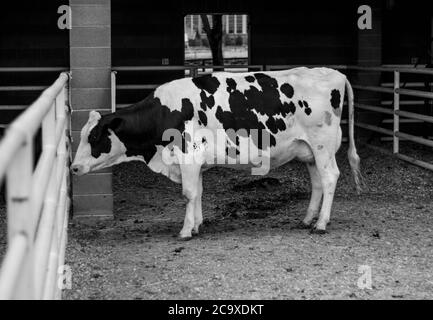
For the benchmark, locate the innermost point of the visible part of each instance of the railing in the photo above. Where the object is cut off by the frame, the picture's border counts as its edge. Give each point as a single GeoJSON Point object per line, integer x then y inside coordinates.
{"type": "Point", "coordinates": [37, 198]}
{"type": "Point", "coordinates": [394, 89]}
{"type": "Point", "coordinates": [396, 92]}
{"type": "Point", "coordinates": [190, 71]}
{"type": "Point", "coordinates": [23, 88]}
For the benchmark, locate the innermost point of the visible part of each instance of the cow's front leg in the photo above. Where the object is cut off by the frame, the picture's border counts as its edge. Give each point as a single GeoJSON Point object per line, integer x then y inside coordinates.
{"type": "Point", "coordinates": [190, 190]}
{"type": "Point", "coordinates": [198, 215]}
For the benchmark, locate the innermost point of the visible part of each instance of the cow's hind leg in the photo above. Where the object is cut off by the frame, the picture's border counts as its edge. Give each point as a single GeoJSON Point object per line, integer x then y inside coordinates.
{"type": "Point", "coordinates": [327, 168]}
{"type": "Point", "coordinates": [198, 215]}
{"type": "Point", "coordinates": [316, 195]}
{"type": "Point", "coordinates": [190, 190]}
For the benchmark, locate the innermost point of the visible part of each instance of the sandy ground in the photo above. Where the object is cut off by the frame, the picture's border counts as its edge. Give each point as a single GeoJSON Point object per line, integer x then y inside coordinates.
{"type": "Point", "coordinates": [249, 247]}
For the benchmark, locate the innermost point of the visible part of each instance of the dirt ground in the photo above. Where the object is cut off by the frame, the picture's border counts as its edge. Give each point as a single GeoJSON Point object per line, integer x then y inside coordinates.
{"type": "Point", "coordinates": [249, 247]}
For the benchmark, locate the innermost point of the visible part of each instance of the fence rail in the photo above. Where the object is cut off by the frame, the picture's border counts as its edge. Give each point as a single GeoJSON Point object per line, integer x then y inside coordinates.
{"type": "Point", "coordinates": [397, 91]}
{"type": "Point", "coordinates": [37, 197]}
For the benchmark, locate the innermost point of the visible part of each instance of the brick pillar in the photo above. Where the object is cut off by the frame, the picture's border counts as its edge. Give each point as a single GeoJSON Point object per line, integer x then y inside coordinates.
{"type": "Point", "coordinates": [369, 55]}
{"type": "Point", "coordinates": [90, 62]}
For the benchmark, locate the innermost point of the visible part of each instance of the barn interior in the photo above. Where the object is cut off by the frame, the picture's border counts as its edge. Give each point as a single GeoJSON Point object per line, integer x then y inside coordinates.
{"type": "Point", "coordinates": [145, 45]}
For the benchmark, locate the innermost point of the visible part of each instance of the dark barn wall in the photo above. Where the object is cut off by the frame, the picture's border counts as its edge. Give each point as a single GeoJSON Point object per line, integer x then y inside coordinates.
{"type": "Point", "coordinates": [407, 32]}
{"type": "Point", "coordinates": [301, 34]}
{"type": "Point", "coordinates": [292, 34]}
{"type": "Point", "coordinates": [29, 37]}
{"type": "Point", "coordinates": [295, 33]}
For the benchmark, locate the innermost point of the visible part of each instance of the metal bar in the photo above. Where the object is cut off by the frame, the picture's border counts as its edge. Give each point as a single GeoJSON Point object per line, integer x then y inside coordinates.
{"type": "Point", "coordinates": [12, 262]}
{"type": "Point", "coordinates": [149, 68]}
{"type": "Point", "coordinates": [45, 230]}
{"type": "Point", "coordinates": [24, 186]}
{"type": "Point", "coordinates": [392, 69]}
{"type": "Point", "coordinates": [113, 91]}
{"type": "Point", "coordinates": [415, 93]}
{"type": "Point", "coordinates": [426, 142]}
{"type": "Point", "coordinates": [291, 66]}
{"type": "Point", "coordinates": [23, 88]}
{"type": "Point", "coordinates": [403, 103]}
{"type": "Point", "coordinates": [414, 161]}
{"type": "Point", "coordinates": [136, 86]}
{"type": "Point", "coordinates": [407, 84]}
{"type": "Point", "coordinates": [63, 240]}
{"type": "Point", "coordinates": [173, 68]}
{"type": "Point", "coordinates": [33, 69]}
{"type": "Point", "coordinates": [374, 128]}
{"type": "Point", "coordinates": [373, 108]}
{"type": "Point", "coordinates": [13, 107]}
{"type": "Point", "coordinates": [413, 115]}
{"type": "Point", "coordinates": [373, 88]}
{"type": "Point", "coordinates": [396, 118]}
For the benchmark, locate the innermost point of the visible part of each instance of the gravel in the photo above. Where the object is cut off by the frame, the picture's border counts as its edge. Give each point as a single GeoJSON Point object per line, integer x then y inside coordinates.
{"type": "Point", "coordinates": [249, 246]}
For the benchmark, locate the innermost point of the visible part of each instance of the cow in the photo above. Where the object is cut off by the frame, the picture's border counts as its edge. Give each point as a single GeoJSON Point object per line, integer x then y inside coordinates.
{"type": "Point", "coordinates": [298, 112]}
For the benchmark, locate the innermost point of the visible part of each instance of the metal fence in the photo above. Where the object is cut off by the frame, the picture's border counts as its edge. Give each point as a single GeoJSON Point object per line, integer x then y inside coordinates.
{"type": "Point", "coordinates": [395, 90]}
{"type": "Point", "coordinates": [37, 196]}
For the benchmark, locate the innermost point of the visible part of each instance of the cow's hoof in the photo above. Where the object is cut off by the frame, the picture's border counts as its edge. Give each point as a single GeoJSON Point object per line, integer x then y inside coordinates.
{"type": "Point", "coordinates": [194, 232]}
{"type": "Point", "coordinates": [302, 225]}
{"type": "Point", "coordinates": [184, 238]}
{"type": "Point", "coordinates": [318, 231]}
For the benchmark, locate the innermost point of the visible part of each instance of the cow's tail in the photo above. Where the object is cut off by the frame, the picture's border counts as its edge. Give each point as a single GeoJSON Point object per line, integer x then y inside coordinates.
{"type": "Point", "coordinates": [354, 159]}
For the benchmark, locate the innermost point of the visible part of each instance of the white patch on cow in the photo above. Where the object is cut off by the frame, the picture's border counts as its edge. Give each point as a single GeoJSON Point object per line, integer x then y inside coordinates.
{"type": "Point", "coordinates": [171, 94]}
{"type": "Point", "coordinates": [159, 165]}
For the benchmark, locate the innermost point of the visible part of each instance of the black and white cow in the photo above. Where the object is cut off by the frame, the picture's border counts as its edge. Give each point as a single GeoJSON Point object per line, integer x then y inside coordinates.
{"type": "Point", "coordinates": [296, 112]}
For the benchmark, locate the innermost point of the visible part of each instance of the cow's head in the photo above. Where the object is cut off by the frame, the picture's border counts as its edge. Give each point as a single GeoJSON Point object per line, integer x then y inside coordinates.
{"type": "Point", "coordinates": [99, 145]}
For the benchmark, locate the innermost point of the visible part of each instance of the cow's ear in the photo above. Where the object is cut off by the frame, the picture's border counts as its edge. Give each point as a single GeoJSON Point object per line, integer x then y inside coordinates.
{"type": "Point", "coordinates": [94, 116]}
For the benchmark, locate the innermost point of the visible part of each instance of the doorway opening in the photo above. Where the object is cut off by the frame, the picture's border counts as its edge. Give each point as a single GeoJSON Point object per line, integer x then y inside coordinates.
{"type": "Point", "coordinates": [216, 40]}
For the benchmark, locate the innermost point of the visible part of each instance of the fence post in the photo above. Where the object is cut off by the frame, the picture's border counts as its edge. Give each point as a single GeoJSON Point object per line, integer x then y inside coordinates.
{"type": "Point", "coordinates": [396, 120]}
{"type": "Point", "coordinates": [19, 214]}
{"type": "Point", "coordinates": [113, 91]}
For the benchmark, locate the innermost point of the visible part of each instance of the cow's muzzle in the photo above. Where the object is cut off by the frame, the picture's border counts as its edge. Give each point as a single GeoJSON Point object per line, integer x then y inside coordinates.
{"type": "Point", "coordinates": [78, 169]}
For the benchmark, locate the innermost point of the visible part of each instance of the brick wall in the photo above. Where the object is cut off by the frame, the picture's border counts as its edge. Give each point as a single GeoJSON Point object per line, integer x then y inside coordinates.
{"type": "Point", "coordinates": [90, 62]}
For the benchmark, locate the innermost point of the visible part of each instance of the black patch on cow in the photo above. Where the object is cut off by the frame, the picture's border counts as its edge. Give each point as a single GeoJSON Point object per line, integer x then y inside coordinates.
{"type": "Point", "coordinates": [288, 90]}
{"type": "Point", "coordinates": [307, 108]}
{"type": "Point", "coordinates": [208, 83]}
{"type": "Point", "coordinates": [290, 107]}
{"type": "Point", "coordinates": [250, 79]}
{"type": "Point", "coordinates": [99, 140]}
{"type": "Point", "coordinates": [231, 85]}
{"type": "Point", "coordinates": [206, 101]}
{"type": "Point", "coordinates": [203, 118]}
{"type": "Point", "coordinates": [335, 98]}
{"type": "Point", "coordinates": [300, 103]}
{"type": "Point", "coordinates": [265, 102]}
{"type": "Point", "coordinates": [304, 104]}
{"type": "Point", "coordinates": [140, 127]}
